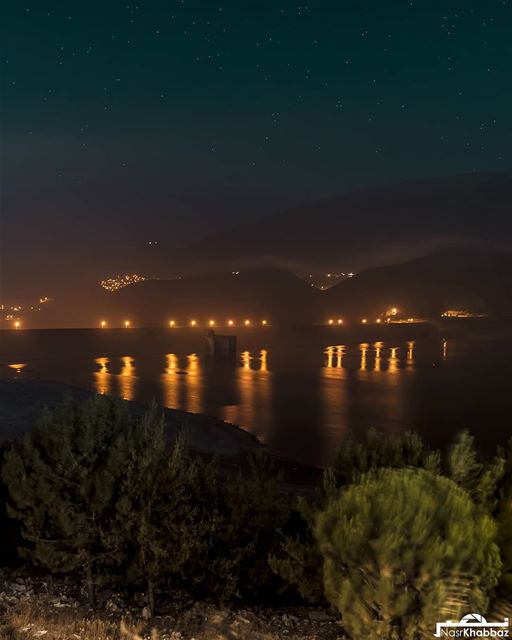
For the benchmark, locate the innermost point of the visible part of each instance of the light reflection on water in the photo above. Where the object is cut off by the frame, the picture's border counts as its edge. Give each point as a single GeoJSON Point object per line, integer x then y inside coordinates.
{"type": "Point", "coordinates": [127, 378]}
{"type": "Point", "coordinates": [303, 401]}
{"type": "Point", "coordinates": [257, 395]}
{"type": "Point", "coordinates": [102, 376]}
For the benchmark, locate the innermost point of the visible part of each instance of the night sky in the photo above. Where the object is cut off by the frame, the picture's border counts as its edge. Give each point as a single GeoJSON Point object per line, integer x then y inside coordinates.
{"type": "Point", "coordinates": [161, 121]}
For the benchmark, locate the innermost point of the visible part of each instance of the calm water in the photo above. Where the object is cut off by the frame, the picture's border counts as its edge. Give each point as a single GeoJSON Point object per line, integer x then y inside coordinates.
{"type": "Point", "coordinates": [304, 402]}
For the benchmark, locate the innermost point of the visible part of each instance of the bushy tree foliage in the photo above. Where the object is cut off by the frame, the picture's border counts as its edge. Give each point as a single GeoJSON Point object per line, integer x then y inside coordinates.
{"type": "Point", "coordinates": [259, 510]}
{"type": "Point", "coordinates": [97, 491]}
{"type": "Point", "coordinates": [403, 548]}
{"type": "Point", "coordinates": [476, 475]}
{"type": "Point", "coordinates": [248, 511]}
{"type": "Point", "coordinates": [63, 483]}
{"type": "Point", "coordinates": [156, 516]}
{"type": "Point", "coordinates": [378, 450]}
{"type": "Point", "coordinates": [504, 522]}
{"type": "Point", "coordinates": [396, 547]}
{"type": "Point", "coordinates": [298, 560]}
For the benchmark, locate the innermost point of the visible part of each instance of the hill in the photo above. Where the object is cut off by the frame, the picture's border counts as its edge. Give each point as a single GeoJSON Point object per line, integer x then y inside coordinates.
{"type": "Point", "coordinates": [256, 294]}
{"type": "Point", "coordinates": [480, 281]}
{"type": "Point", "coordinates": [371, 227]}
{"type": "Point", "coordinates": [477, 280]}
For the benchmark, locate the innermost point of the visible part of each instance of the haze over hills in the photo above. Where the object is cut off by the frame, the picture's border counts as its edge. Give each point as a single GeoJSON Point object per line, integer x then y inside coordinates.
{"type": "Point", "coordinates": [255, 294]}
{"type": "Point", "coordinates": [331, 235]}
{"type": "Point", "coordinates": [340, 232]}
{"type": "Point", "coordinates": [476, 280]}
{"type": "Point", "coordinates": [479, 281]}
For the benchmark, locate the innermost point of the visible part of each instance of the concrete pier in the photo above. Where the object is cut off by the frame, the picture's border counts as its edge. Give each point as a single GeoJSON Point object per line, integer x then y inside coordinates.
{"type": "Point", "coordinates": [220, 346]}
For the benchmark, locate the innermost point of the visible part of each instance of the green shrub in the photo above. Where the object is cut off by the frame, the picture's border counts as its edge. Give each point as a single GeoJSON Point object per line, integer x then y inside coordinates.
{"type": "Point", "coordinates": [379, 450]}
{"type": "Point", "coordinates": [63, 483]}
{"type": "Point", "coordinates": [504, 523]}
{"type": "Point", "coordinates": [402, 549]}
{"type": "Point", "coordinates": [156, 517]}
{"type": "Point", "coordinates": [298, 560]}
{"type": "Point", "coordinates": [476, 475]}
{"type": "Point", "coordinates": [249, 512]}
{"type": "Point", "coordinates": [100, 492]}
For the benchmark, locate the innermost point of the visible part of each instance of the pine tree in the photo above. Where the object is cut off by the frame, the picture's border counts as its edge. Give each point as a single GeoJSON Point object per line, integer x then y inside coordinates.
{"type": "Point", "coordinates": [504, 522]}
{"type": "Point", "coordinates": [298, 560]}
{"type": "Point", "coordinates": [479, 477]}
{"type": "Point", "coordinates": [257, 512]}
{"type": "Point", "coordinates": [161, 527]}
{"type": "Point", "coordinates": [244, 516]}
{"type": "Point", "coordinates": [63, 482]}
{"type": "Point", "coordinates": [403, 548]}
{"type": "Point", "coordinates": [379, 450]}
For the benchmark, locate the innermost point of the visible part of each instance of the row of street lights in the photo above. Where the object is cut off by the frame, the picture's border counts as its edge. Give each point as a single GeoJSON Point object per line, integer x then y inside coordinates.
{"type": "Point", "coordinates": [194, 323]}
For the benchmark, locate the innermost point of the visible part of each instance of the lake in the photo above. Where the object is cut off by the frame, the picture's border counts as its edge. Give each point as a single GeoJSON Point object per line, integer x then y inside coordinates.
{"type": "Point", "coordinates": [304, 400]}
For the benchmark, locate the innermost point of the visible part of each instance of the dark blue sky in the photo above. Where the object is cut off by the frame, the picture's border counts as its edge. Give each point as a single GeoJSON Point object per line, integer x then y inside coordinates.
{"type": "Point", "coordinates": [124, 122]}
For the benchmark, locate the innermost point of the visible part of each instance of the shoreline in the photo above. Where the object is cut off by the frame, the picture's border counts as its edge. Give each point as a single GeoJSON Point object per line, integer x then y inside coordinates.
{"type": "Point", "coordinates": [21, 402]}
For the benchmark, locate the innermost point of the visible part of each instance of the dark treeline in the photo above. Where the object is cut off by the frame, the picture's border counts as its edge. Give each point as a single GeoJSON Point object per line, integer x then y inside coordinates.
{"type": "Point", "coordinates": [398, 537]}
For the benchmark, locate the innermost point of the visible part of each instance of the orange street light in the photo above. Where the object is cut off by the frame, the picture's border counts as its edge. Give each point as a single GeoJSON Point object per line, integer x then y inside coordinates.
{"type": "Point", "coordinates": [364, 320]}
{"type": "Point", "coordinates": [193, 323]}
{"type": "Point", "coordinates": [103, 324]}
{"type": "Point", "coordinates": [172, 323]}
{"type": "Point", "coordinates": [263, 322]}
{"type": "Point", "coordinates": [17, 324]}
{"type": "Point", "coordinates": [127, 324]}
{"type": "Point", "coordinates": [340, 321]}
{"type": "Point", "coordinates": [247, 323]}
{"type": "Point", "coordinates": [331, 321]}
{"type": "Point", "coordinates": [212, 323]}
{"type": "Point", "coordinates": [230, 323]}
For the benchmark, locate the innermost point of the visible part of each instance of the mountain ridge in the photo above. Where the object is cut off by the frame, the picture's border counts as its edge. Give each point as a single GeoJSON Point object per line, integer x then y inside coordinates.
{"type": "Point", "coordinates": [338, 233]}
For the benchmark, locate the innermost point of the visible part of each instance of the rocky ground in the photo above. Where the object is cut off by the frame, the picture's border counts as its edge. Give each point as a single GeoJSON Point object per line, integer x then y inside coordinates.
{"type": "Point", "coordinates": [29, 609]}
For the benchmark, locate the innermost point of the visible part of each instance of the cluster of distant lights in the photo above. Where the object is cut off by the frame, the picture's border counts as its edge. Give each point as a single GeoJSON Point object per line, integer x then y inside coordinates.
{"type": "Point", "coordinates": [15, 310]}
{"type": "Point", "coordinates": [340, 321]}
{"type": "Point", "coordinates": [326, 280]}
{"type": "Point", "coordinates": [119, 282]}
{"type": "Point", "coordinates": [336, 275]}
{"type": "Point", "coordinates": [194, 323]}
{"type": "Point", "coordinates": [389, 316]}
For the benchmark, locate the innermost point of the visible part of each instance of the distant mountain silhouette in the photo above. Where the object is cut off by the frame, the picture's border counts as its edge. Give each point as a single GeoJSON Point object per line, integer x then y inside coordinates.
{"type": "Point", "coordinates": [371, 227]}
{"type": "Point", "coordinates": [472, 279]}
{"type": "Point", "coordinates": [480, 281]}
{"type": "Point", "coordinates": [257, 294]}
